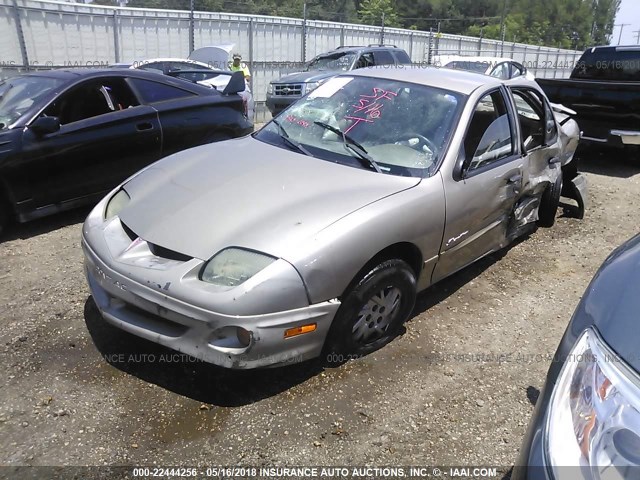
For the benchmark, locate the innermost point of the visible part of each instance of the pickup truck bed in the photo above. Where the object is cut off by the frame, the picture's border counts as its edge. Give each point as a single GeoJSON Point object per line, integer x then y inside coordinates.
{"type": "Point", "coordinates": [607, 112]}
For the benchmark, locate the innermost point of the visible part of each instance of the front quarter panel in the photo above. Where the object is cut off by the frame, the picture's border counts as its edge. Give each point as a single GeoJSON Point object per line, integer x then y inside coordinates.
{"type": "Point", "coordinates": [332, 258]}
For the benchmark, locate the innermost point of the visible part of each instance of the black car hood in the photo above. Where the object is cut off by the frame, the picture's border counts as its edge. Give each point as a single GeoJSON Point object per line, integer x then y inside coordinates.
{"type": "Point", "coordinates": [612, 302]}
{"type": "Point", "coordinates": [304, 77]}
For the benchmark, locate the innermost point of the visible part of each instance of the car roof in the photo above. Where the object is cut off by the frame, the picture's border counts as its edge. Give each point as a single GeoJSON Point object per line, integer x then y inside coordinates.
{"type": "Point", "coordinates": [480, 59]}
{"type": "Point", "coordinates": [158, 60]}
{"type": "Point", "coordinates": [455, 80]}
{"type": "Point", "coordinates": [71, 75]}
{"type": "Point", "coordinates": [360, 48]}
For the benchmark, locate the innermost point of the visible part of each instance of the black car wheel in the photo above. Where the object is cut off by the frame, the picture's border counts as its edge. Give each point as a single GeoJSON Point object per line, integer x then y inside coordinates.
{"type": "Point", "coordinates": [372, 312]}
{"type": "Point", "coordinates": [4, 216]}
{"type": "Point", "coordinates": [633, 153]}
{"type": "Point", "coordinates": [549, 203]}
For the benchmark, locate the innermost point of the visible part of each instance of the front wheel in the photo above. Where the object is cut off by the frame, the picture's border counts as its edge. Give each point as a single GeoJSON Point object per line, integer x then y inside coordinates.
{"type": "Point", "coordinates": [372, 312]}
{"type": "Point", "coordinates": [549, 203]}
{"type": "Point", "coordinates": [4, 217]}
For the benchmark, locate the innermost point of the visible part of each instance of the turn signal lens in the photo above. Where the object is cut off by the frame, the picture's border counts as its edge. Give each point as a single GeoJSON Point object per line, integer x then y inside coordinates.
{"type": "Point", "coordinates": [292, 332]}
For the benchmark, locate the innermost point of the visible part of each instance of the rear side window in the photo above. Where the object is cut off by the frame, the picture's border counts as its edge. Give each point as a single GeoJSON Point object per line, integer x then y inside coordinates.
{"type": "Point", "coordinates": [153, 92]}
{"type": "Point", "coordinates": [516, 70]}
{"type": "Point", "coordinates": [402, 57]}
{"type": "Point", "coordinates": [383, 57]}
{"type": "Point", "coordinates": [365, 60]}
{"type": "Point", "coordinates": [501, 71]}
{"type": "Point", "coordinates": [619, 63]}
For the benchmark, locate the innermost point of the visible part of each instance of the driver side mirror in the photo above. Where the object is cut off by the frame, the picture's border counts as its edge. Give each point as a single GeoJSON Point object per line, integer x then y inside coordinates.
{"type": "Point", "coordinates": [236, 84]}
{"type": "Point", "coordinates": [45, 125]}
{"type": "Point", "coordinates": [461, 166]}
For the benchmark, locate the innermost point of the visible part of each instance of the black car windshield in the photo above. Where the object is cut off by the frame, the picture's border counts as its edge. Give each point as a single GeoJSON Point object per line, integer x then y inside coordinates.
{"type": "Point", "coordinates": [388, 126]}
{"type": "Point", "coordinates": [335, 61]}
{"type": "Point", "coordinates": [18, 94]}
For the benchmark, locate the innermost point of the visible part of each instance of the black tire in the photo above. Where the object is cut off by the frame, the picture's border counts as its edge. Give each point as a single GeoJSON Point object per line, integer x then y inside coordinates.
{"type": "Point", "coordinates": [359, 327]}
{"type": "Point", "coordinates": [4, 217]}
{"type": "Point", "coordinates": [549, 203]}
{"type": "Point", "coordinates": [632, 153]}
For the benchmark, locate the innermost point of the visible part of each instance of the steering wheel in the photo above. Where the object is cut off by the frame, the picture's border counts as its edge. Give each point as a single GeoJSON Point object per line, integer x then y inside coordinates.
{"type": "Point", "coordinates": [423, 141]}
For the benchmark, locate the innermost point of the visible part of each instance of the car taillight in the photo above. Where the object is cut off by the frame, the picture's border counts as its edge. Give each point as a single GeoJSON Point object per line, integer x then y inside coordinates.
{"type": "Point", "coordinates": [245, 106]}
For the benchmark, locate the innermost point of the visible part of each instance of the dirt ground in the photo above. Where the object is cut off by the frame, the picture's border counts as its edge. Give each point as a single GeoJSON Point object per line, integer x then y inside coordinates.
{"type": "Point", "coordinates": [457, 388]}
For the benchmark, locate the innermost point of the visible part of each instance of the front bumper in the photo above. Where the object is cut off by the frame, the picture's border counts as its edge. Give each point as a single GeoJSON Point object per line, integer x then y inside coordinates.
{"type": "Point", "coordinates": [613, 138]}
{"type": "Point", "coordinates": [207, 335]}
{"type": "Point", "coordinates": [531, 464]}
{"type": "Point", "coordinates": [277, 103]}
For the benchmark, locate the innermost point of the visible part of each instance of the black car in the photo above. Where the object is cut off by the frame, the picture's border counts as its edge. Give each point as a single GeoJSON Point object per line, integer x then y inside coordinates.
{"type": "Point", "coordinates": [67, 137]}
{"type": "Point", "coordinates": [586, 424]}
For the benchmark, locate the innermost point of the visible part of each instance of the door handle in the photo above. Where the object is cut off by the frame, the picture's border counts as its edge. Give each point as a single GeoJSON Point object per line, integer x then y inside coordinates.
{"type": "Point", "coordinates": [144, 126]}
{"type": "Point", "coordinates": [514, 179]}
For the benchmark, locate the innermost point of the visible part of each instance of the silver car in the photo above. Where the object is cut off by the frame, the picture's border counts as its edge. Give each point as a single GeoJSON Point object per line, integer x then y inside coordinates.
{"type": "Point", "coordinates": [312, 236]}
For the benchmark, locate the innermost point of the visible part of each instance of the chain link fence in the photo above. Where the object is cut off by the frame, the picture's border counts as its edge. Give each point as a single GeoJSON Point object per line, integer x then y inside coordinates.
{"type": "Point", "coordinates": [47, 34]}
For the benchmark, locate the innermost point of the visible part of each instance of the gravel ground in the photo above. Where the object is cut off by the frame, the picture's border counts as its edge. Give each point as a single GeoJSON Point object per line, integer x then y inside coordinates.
{"type": "Point", "coordinates": [76, 391]}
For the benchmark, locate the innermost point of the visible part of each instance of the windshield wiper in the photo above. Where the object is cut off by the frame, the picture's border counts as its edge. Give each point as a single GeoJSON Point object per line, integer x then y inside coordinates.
{"type": "Point", "coordinates": [351, 145]}
{"type": "Point", "coordinates": [290, 141]}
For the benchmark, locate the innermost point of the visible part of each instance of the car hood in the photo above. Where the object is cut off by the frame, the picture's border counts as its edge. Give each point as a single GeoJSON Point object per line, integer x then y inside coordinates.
{"type": "Point", "coordinates": [249, 194]}
{"type": "Point", "coordinates": [611, 303]}
{"type": "Point", "coordinates": [304, 77]}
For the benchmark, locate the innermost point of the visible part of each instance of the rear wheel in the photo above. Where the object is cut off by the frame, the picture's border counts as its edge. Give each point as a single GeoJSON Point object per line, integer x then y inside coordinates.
{"type": "Point", "coordinates": [4, 217]}
{"type": "Point", "coordinates": [372, 312]}
{"type": "Point", "coordinates": [633, 153]}
{"type": "Point", "coordinates": [549, 203]}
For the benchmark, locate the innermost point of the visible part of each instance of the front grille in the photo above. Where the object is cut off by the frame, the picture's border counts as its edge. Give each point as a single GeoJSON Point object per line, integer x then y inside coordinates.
{"type": "Point", "coordinates": [155, 323]}
{"type": "Point", "coordinates": [289, 90]}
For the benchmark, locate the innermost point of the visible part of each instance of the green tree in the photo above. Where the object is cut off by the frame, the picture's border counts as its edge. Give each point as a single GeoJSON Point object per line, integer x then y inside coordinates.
{"type": "Point", "coordinates": [372, 11]}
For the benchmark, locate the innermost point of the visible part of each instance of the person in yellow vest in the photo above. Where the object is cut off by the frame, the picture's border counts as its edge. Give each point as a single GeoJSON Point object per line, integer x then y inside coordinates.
{"type": "Point", "coordinates": [239, 66]}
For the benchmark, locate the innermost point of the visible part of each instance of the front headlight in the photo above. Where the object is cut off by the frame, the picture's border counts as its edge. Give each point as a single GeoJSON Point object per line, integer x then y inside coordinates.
{"type": "Point", "coordinates": [270, 89]}
{"type": "Point", "coordinates": [311, 86]}
{"type": "Point", "coordinates": [234, 266]}
{"type": "Point", "coordinates": [116, 204]}
{"type": "Point", "coordinates": [594, 414]}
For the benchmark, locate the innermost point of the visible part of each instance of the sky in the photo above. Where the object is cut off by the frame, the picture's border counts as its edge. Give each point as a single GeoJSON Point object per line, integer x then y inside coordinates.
{"type": "Point", "coordinates": [629, 13]}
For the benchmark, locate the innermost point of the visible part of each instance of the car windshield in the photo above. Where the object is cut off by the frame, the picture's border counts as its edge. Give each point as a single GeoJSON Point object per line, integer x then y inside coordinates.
{"type": "Point", "coordinates": [335, 61]}
{"type": "Point", "coordinates": [388, 126]}
{"type": "Point", "coordinates": [18, 94]}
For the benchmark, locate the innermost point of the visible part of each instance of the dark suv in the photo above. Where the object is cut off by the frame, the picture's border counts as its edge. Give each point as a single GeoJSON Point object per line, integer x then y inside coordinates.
{"type": "Point", "coordinates": [283, 92]}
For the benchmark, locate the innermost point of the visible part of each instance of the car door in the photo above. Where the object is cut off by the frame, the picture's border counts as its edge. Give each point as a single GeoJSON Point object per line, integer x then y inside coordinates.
{"type": "Point", "coordinates": [484, 187]}
{"type": "Point", "coordinates": [365, 60]}
{"type": "Point", "coordinates": [185, 116]}
{"type": "Point", "coordinates": [383, 57]}
{"type": "Point", "coordinates": [105, 136]}
{"type": "Point", "coordinates": [538, 132]}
